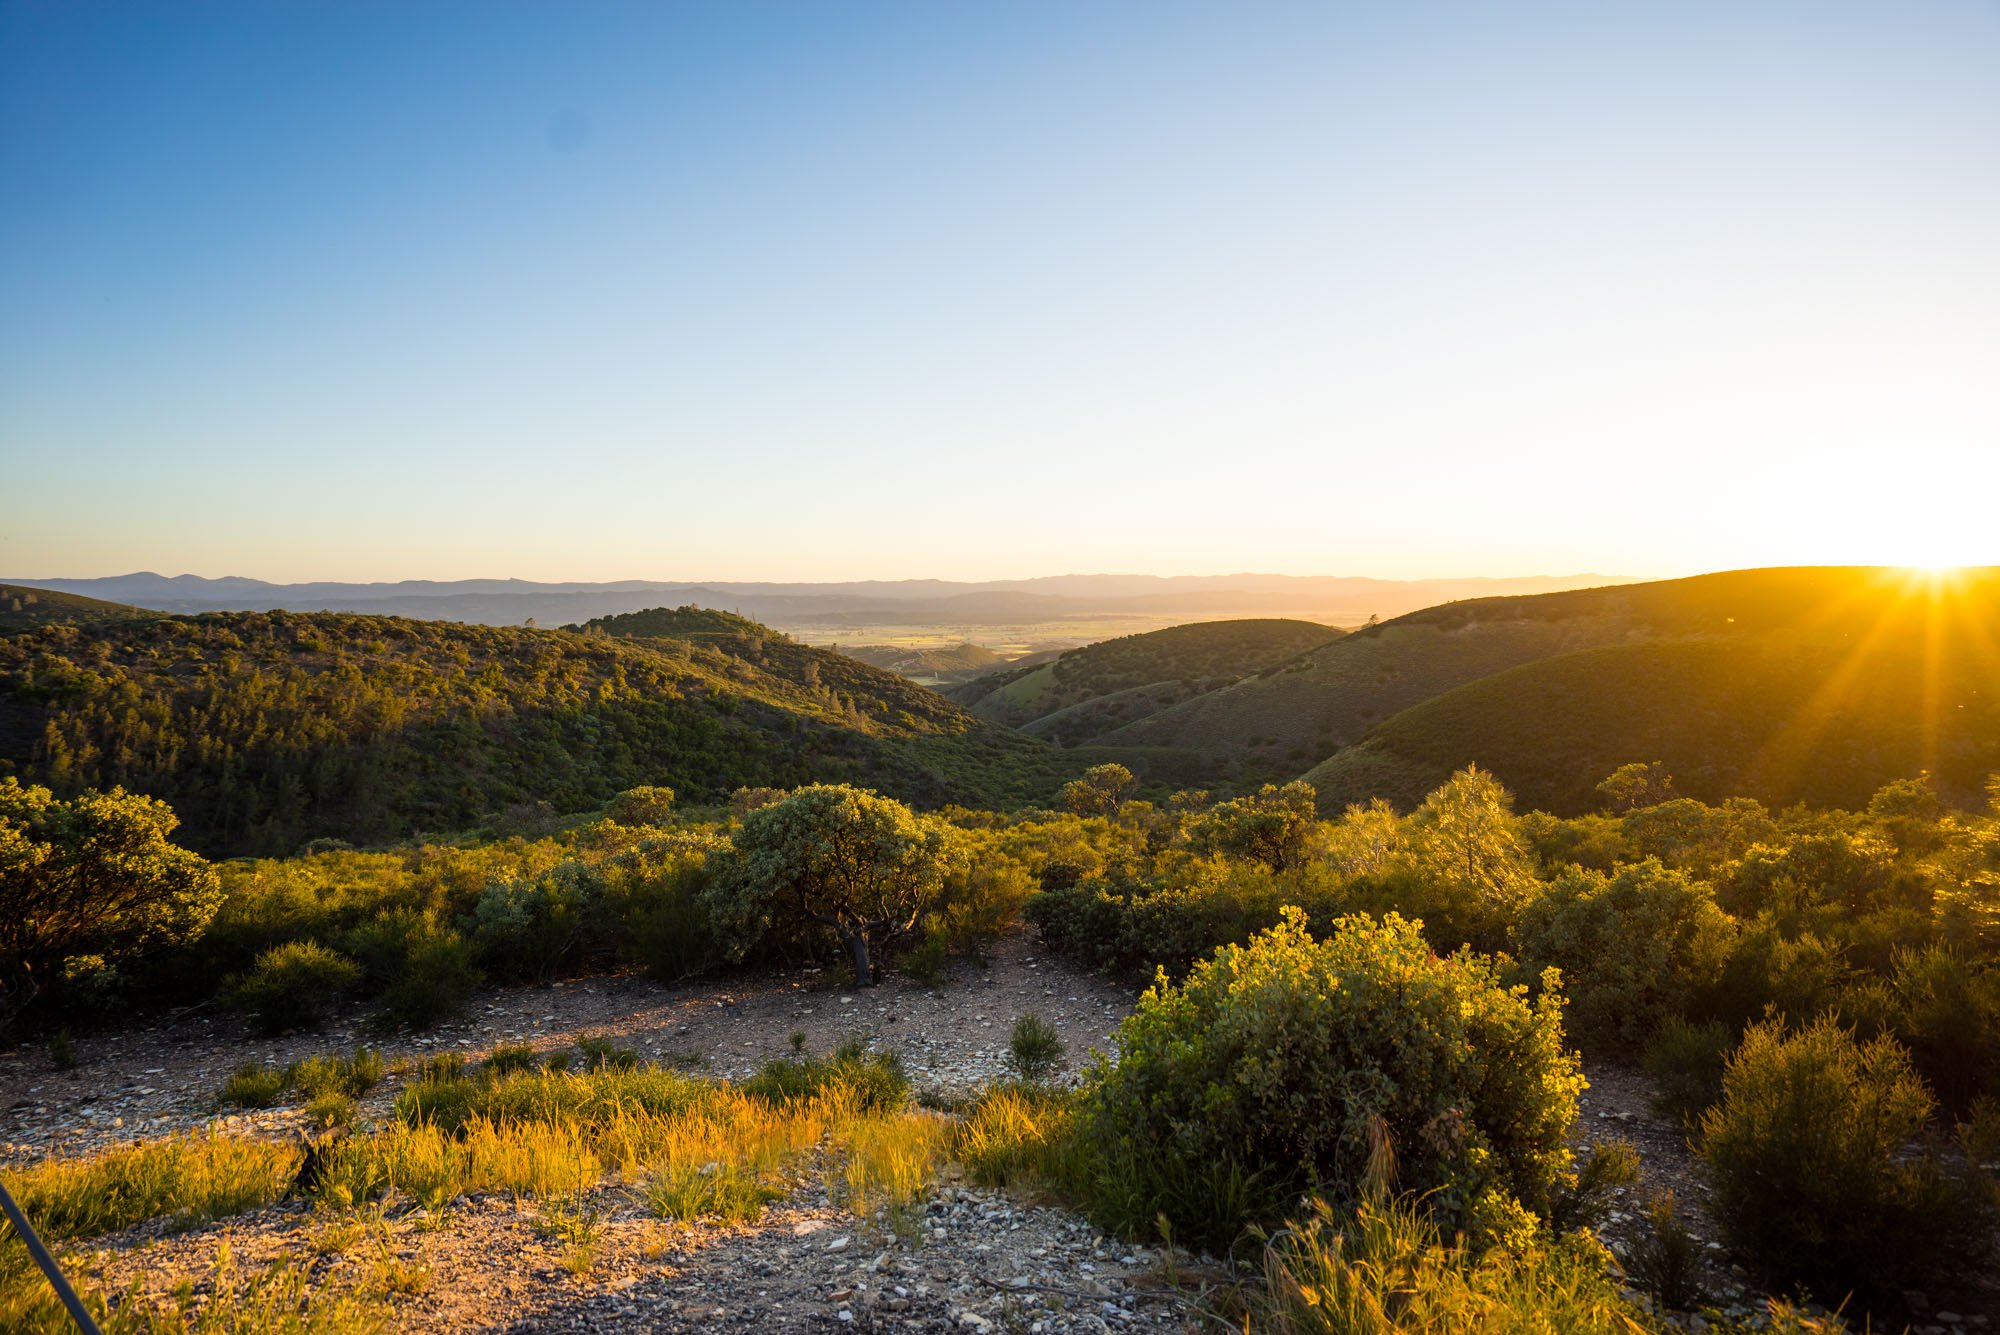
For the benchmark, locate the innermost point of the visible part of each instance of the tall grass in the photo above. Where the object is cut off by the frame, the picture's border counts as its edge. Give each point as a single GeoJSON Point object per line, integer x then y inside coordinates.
{"type": "Point", "coordinates": [276, 1301]}
{"type": "Point", "coordinates": [890, 1161]}
{"type": "Point", "coordinates": [186, 1180]}
{"type": "Point", "coordinates": [1385, 1271]}
{"type": "Point", "coordinates": [1018, 1137]}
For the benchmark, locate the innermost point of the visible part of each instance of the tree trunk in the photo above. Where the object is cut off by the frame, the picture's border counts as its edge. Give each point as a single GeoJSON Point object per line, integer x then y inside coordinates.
{"type": "Point", "coordinates": [864, 969]}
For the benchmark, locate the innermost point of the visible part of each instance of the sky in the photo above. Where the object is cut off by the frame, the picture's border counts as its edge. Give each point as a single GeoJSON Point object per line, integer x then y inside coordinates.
{"type": "Point", "coordinates": [763, 290]}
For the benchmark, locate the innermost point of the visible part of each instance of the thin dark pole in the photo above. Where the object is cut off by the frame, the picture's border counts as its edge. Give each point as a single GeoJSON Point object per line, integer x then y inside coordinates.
{"type": "Point", "coordinates": [48, 1264]}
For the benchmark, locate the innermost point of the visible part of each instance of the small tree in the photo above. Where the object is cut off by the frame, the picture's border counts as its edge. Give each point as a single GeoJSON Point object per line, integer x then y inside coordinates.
{"type": "Point", "coordinates": [1465, 834]}
{"type": "Point", "coordinates": [91, 880]}
{"type": "Point", "coordinates": [1269, 826]}
{"type": "Point", "coordinates": [1099, 791]}
{"type": "Point", "coordinates": [864, 867]}
{"type": "Point", "coordinates": [1637, 785]}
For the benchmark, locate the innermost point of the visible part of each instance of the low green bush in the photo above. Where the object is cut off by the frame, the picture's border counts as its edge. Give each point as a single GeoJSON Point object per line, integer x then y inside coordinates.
{"type": "Point", "coordinates": [1946, 1011]}
{"type": "Point", "coordinates": [1816, 1169]}
{"type": "Point", "coordinates": [601, 1054]}
{"type": "Point", "coordinates": [431, 978]}
{"type": "Point", "coordinates": [292, 985]}
{"type": "Point", "coordinates": [330, 1111]}
{"type": "Point", "coordinates": [1665, 1258]}
{"type": "Point", "coordinates": [511, 1058]}
{"type": "Point", "coordinates": [1034, 1050]}
{"type": "Point", "coordinates": [1296, 1065]}
{"type": "Point", "coordinates": [924, 963]}
{"type": "Point", "coordinates": [1686, 1060]}
{"type": "Point", "coordinates": [352, 1076]}
{"type": "Point", "coordinates": [253, 1085]}
{"type": "Point", "coordinates": [875, 1080]}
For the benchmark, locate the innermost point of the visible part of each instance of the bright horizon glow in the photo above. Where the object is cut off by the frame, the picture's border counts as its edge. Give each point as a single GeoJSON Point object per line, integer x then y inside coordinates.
{"type": "Point", "coordinates": [337, 291]}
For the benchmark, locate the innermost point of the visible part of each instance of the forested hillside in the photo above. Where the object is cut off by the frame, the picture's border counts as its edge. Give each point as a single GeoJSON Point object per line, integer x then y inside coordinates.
{"type": "Point", "coordinates": [22, 608]}
{"type": "Point", "coordinates": [1088, 692]}
{"type": "Point", "coordinates": [266, 730]}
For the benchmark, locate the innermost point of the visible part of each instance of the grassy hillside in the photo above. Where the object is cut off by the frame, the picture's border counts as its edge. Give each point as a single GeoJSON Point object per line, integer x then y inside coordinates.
{"type": "Point", "coordinates": [1088, 692]}
{"type": "Point", "coordinates": [1815, 686]}
{"type": "Point", "coordinates": [1279, 723]}
{"type": "Point", "coordinates": [23, 608]}
{"type": "Point", "coordinates": [265, 730]}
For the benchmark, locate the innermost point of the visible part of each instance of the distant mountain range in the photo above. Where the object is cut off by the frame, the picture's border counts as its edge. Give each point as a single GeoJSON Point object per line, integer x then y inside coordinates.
{"type": "Point", "coordinates": [501, 602]}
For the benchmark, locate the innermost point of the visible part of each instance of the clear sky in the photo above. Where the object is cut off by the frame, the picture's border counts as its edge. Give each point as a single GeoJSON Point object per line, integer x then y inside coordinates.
{"type": "Point", "coordinates": [769, 290]}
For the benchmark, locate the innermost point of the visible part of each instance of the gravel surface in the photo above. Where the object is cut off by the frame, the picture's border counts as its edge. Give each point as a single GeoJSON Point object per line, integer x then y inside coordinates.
{"type": "Point", "coordinates": [966, 1260]}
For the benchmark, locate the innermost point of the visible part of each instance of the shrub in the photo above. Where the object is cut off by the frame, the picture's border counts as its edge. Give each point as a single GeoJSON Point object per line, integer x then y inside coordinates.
{"type": "Point", "coordinates": [1293, 1065]}
{"type": "Point", "coordinates": [62, 1050]}
{"type": "Point", "coordinates": [330, 1111]}
{"type": "Point", "coordinates": [924, 964]}
{"type": "Point", "coordinates": [1078, 920]}
{"type": "Point", "coordinates": [1035, 1050]}
{"type": "Point", "coordinates": [982, 898]}
{"type": "Point", "coordinates": [600, 1054]}
{"type": "Point", "coordinates": [1807, 1155]}
{"type": "Point", "coordinates": [510, 1058]}
{"type": "Point", "coordinates": [421, 972]}
{"type": "Point", "coordinates": [1633, 948]}
{"type": "Point", "coordinates": [253, 1086]}
{"type": "Point", "coordinates": [642, 806]}
{"type": "Point", "coordinates": [1947, 1012]}
{"type": "Point", "coordinates": [656, 894]}
{"type": "Point", "coordinates": [351, 1076]}
{"type": "Point", "coordinates": [93, 877]}
{"type": "Point", "coordinates": [1686, 1061]}
{"type": "Point", "coordinates": [1582, 1196]}
{"type": "Point", "coordinates": [292, 984]}
{"type": "Point", "coordinates": [1665, 1259]}
{"type": "Point", "coordinates": [1269, 826]}
{"type": "Point", "coordinates": [534, 927]}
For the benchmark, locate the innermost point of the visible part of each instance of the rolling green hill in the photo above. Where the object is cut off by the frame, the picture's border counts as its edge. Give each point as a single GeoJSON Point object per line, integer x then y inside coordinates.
{"type": "Point", "coordinates": [23, 608]}
{"type": "Point", "coordinates": [265, 730]}
{"type": "Point", "coordinates": [1086, 693]}
{"type": "Point", "coordinates": [1278, 723]}
{"type": "Point", "coordinates": [1814, 685]}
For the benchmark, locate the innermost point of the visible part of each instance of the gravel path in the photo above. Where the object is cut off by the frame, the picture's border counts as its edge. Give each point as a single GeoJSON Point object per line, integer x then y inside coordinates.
{"type": "Point", "coordinates": [953, 1038]}
{"type": "Point", "coordinates": [973, 1260]}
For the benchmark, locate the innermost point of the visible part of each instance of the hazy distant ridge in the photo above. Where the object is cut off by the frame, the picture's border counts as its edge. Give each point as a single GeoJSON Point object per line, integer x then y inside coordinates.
{"type": "Point", "coordinates": [512, 601]}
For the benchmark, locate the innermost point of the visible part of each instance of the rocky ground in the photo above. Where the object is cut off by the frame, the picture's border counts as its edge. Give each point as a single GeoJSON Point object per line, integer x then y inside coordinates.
{"type": "Point", "coordinates": [970, 1260]}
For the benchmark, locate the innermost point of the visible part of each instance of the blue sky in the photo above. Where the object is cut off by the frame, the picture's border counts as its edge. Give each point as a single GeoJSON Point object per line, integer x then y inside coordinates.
{"type": "Point", "coordinates": [830, 290]}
